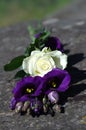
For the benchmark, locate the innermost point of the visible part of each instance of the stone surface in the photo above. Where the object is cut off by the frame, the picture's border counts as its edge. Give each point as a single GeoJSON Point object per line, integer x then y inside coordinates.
{"type": "Point", "coordinates": [70, 26]}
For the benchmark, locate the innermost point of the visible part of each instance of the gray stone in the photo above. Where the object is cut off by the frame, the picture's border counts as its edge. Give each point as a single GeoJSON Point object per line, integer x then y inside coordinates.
{"type": "Point", "coordinates": [71, 29]}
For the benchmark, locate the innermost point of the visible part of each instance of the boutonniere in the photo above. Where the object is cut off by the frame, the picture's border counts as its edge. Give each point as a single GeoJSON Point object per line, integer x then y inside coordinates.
{"type": "Point", "coordinates": [42, 75]}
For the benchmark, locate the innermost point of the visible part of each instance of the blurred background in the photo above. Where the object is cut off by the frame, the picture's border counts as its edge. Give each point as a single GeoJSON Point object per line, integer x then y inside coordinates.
{"type": "Point", "coordinates": [14, 11]}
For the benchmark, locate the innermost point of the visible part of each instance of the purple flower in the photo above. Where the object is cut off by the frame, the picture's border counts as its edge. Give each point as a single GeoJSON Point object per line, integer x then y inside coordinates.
{"type": "Point", "coordinates": [25, 90]}
{"type": "Point", "coordinates": [31, 88]}
{"type": "Point", "coordinates": [56, 80]}
{"type": "Point", "coordinates": [52, 42]}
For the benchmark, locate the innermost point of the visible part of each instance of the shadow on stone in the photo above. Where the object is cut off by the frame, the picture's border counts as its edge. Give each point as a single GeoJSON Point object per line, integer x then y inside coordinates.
{"type": "Point", "coordinates": [77, 76]}
{"type": "Point", "coordinates": [71, 92]}
{"type": "Point", "coordinates": [75, 89]}
{"type": "Point", "coordinates": [73, 59]}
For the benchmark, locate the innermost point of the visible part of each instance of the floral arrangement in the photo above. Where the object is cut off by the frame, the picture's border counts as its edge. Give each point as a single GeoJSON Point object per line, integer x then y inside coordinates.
{"type": "Point", "coordinates": [42, 75]}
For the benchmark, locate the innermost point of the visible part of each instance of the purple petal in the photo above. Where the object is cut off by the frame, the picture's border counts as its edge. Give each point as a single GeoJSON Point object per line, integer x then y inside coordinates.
{"type": "Point", "coordinates": [18, 91]}
{"type": "Point", "coordinates": [37, 35]}
{"type": "Point", "coordinates": [61, 77]}
{"type": "Point", "coordinates": [54, 43]}
{"type": "Point", "coordinates": [24, 98]}
{"type": "Point", "coordinates": [13, 103]}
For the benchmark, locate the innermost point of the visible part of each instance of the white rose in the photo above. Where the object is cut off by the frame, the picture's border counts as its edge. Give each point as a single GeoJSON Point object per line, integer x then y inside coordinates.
{"type": "Point", "coordinates": [41, 62]}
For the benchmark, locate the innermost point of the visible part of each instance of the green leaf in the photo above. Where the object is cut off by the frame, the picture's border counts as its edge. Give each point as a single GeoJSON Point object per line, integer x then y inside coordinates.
{"type": "Point", "coordinates": [29, 49]}
{"type": "Point", "coordinates": [20, 74]}
{"type": "Point", "coordinates": [32, 33]}
{"type": "Point", "coordinates": [45, 35]}
{"type": "Point", "coordinates": [40, 41]}
{"type": "Point", "coordinates": [14, 64]}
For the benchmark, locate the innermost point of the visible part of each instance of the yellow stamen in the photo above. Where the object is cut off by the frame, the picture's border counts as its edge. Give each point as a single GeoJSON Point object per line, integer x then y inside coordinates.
{"type": "Point", "coordinates": [54, 84]}
{"type": "Point", "coordinates": [28, 90]}
{"type": "Point", "coordinates": [32, 89]}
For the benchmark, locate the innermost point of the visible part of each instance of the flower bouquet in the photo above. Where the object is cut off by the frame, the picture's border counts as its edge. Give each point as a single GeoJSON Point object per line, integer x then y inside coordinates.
{"type": "Point", "coordinates": [42, 75]}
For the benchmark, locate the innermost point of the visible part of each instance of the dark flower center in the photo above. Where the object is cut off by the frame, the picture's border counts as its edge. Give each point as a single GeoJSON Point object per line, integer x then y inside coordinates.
{"type": "Point", "coordinates": [29, 89]}
{"type": "Point", "coordinates": [53, 83]}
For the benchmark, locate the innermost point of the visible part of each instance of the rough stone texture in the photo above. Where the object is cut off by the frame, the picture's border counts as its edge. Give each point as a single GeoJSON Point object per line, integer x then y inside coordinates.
{"type": "Point", "coordinates": [70, 26]}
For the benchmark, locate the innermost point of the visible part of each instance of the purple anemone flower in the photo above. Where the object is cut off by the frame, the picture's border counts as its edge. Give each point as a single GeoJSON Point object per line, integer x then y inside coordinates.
{"type": "Point", "coordinates": [52, 42]}
{"type": "Point", "coordinates": [25, 90]}
{"type": "Point", "coordinates": [56, 80]}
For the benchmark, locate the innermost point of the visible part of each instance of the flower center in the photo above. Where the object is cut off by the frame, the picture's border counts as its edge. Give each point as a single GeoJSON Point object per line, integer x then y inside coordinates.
{"type": "Point", "coordinates": [54, 84]}
{"type": "Point", "coordinates": [29, 90]}
{"type": "Point", "coordinates": [43, 64]}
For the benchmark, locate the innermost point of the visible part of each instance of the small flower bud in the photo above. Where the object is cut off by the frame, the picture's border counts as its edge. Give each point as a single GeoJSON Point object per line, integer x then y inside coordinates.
{"type": "Point", "coordinates": [45, 108]}
{"type": "Point", "coordinates": [18, 107]}
{"type": "Point", "coordinates": [53, 97]}
{"type": "Point", "coordinates": [44, 100]}
{"type": "Point", "coordinates": [25, 106]}
{"type": "Point", "coordinates": [56, 108]}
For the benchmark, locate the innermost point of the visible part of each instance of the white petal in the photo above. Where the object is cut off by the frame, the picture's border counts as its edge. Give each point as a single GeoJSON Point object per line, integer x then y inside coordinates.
{"type": "Point", "coordinates": [46, 49]}
{"type": "Point", "coordinates": [59, 58]}
{"type": "Point", "coordinates": [25, 64]}
{"type": "Point", "coordinates": [63, 61]}
{"type": "Point", "coordinates": [35, 52]}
